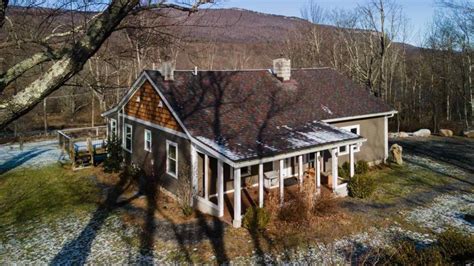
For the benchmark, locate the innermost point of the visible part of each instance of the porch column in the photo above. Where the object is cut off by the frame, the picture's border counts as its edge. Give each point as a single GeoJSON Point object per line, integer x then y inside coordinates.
{"type": "Point", "coordinates": [206, 176]}
{"type": "Point", "coordinates": [351, 160]}
{"type": "Point", "coordinates": [282, 185]}
{"type": "Point", "coordinates": [220, 187]}
{"type": "Point", "coordinates": [237, 222]}
{"type": "Point", "coordinates": [260, 185]}
{"type": "Point", "coordinates": [194, 172]}
{"type": "Point", "coordinates": [300, 168]}
{"type": "Point", "coordinates": [317, 163]}
{"type": "Point", "coordinates": [334, 165]}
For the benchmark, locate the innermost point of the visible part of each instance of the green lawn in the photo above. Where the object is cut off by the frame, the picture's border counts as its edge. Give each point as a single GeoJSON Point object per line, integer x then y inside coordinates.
{"type": "Point", "coordinates": [394, 182]}
{"type": "Point", "coordinates": [44, 193]}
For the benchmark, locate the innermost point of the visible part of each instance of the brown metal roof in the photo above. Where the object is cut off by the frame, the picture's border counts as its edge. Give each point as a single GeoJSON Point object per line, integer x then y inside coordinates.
{"type": "Point", "coordinates": [249, 114]}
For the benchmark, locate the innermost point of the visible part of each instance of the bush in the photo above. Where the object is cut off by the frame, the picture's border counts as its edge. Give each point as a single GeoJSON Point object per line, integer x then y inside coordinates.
{"type": "Point", "coordinates": [185, 192]}
{"type": "Point", "coordinates": [256, 219]}
{"type": "Point", "coordinates": [362, 167]}
{"type": "Point", "coordinates": [324, 203]}
{"type": "Point", "coordinates": [456, 246]}
{"type": "Point", "coordinates": [405, 252]}
{"type": "Point", "coordinates": [296, 209]}
{"type": "Point", "coordinates": [344, 171]}
{"type": "Point", "coordinates": [361, 186]}
{"type": "Point", "coordinates": [113, 162]}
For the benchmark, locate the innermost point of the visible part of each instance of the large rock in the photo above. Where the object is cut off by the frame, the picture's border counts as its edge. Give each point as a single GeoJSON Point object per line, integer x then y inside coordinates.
{"type": "Point", "coordinates": [403, 134]}
{"type": "Point", "coordinates": [468, 133]}
{"type": "Point", "coordinates": [396, 154]}
{"type": "Point", "coordinates": [422, 133]}
{"type": "Point", "coordinates": [446, 132]}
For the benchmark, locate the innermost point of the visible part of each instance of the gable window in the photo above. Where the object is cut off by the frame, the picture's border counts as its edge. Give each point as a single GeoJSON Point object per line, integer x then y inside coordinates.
{"type": "Point", "coordinates": [113, 127]}
{"type": "Point", "coordinates": [147, 140]}
{"type": "Point", "coordinates": [353, 129]}
{"type": "Point", "coordinates": [128, 138]}
{"type": "Point", "coordinates": [172, 158]}
{"type": "Point", "coordinates": [137, 99]}
{"type": "Point", "coordinates": [160, 104]}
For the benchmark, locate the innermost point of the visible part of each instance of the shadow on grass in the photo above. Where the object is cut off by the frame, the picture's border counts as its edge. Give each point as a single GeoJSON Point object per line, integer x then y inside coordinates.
{"type": "Point", "coordinates": [77, 250]}
{"type": "Point", "coordinates": [19, 160]}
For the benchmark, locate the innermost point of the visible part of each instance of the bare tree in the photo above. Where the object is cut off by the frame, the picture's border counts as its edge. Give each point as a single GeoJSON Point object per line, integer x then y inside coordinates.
{"type": "Point", "coordinates": [67, 58]}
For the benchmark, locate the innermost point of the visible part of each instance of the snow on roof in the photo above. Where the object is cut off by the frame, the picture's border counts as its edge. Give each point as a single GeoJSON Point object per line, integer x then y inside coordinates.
{"type": "Point", "coordinates": [312, 134]}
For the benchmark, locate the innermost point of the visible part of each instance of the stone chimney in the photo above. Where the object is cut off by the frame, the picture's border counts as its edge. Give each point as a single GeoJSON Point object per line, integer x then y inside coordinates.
{"type": "Point", "coordinates": [167, 70]}
{"type": "Point", "coordinates": [282, 68]}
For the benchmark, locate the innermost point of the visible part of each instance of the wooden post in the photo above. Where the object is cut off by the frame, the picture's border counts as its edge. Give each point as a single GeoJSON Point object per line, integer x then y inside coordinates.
{"type": "Point", "coordinates": [351, 160]}
{"type": "Point", "coordinates": [90, 148]}
{"type": "Point", "coordinates": [206, 176]}
{"type": "Point", "coordinates": [334, 165]}
{"type": "Point", "coordinates": [317, 163]}
{"type": "Point", "coordinates": [237, 222]}
{"type": "Point", "coordinates": [260, 185]}
{"type": "Point", "coordinates": [282, 183]}
{"type": "Point", "coordinates": [300, 168]}
{"type": "Point", "coordinates": [194, 172]}
{"type": "Point", "coordinates": [220, 187]}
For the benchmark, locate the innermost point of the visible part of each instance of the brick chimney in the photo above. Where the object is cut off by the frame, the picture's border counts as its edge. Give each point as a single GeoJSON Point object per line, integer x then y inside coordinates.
{"type": "Point", "coordinates": [282, 68]}
{"type": "Point", "coordinates": [167, 70]}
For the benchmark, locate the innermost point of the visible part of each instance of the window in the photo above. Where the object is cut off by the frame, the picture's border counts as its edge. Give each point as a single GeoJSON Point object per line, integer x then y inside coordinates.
{"type": "Point", "coordinates": [172, 158]}
{"type": "Point", "coordinates": [128, 138]}
{"type": "Point", "coordinates": [137, 99]}
{"type": "Point", "coordinates": [147, 140]}
{"type": "Point", "coordinates": [353, 129]}
{"type": "Point", "coordinates": [160, 104]}
{"type": "Point", "coordinates": [113, 127]}
{"type": "Point", "coordinates": [245, 171]}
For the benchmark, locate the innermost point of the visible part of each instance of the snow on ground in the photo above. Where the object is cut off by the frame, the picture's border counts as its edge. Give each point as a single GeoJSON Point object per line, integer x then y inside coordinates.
{"type": "Point", "coordinates": [88, 238]}
{"type": "Point", "coordinates": [446, 211]}
{"type": "Point", "coordinates": [32, 154]}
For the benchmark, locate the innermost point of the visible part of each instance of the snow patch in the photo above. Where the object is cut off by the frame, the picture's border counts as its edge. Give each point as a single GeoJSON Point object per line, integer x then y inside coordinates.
{"type": "Point", "coordinates": [221, 148]}
{"type": "Point", "coordinates": [326, 109]}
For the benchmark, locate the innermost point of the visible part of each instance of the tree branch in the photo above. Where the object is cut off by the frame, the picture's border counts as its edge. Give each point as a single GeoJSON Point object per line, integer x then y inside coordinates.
{"type": "Point", "coordinates": [3, 11]}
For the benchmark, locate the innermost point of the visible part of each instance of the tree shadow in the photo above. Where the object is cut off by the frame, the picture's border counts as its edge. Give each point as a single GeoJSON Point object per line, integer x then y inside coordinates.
{"type": "Point", "coordinates": [215, 233]}
{"type": "Point", "coordinates": [77, 250]}
{"type": "Point", "coordinates": [19, 159]}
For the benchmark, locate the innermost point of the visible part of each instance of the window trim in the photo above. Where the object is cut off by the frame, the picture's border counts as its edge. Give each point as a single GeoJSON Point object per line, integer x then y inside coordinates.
{"type": "Point", "coordinates": [175, 145]}
{"type": "Point", "coordinates": [145, 140]}
{"type": "Point", "coordinates": [113, 128]}
{"type": "Point", "coordinates": [127, 126]}
{"type": "Point", "coordinates": [349, 128]}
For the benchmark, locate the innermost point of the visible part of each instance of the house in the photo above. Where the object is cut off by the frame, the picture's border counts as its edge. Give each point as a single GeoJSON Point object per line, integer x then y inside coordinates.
{"type": "Point", "coordinates": [225, 130]}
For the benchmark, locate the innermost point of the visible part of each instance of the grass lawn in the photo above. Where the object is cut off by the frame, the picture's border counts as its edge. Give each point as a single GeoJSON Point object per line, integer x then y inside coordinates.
{"type": "Point", "coordinates": [45, 193]}
{"type": "Point", "coordinates": [395, 182]}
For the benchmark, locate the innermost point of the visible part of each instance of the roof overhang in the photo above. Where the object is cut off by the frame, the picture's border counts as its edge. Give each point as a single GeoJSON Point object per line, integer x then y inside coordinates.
{"type": "Point", "coordinates": [357, 117]}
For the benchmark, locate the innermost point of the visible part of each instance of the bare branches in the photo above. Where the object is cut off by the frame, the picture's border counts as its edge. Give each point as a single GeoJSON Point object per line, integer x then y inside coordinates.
{"type": "Point", "coordinates": [3, 9]}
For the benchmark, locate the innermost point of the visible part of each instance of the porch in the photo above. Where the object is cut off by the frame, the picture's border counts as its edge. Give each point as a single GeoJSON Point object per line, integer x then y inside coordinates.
{"type": "Point", "coordinates": [215, 183]}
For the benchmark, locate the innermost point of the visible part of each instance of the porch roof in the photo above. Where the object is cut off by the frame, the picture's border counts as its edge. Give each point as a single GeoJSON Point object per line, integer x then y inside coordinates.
{"type": "Point", "coordinates": [287, 140]}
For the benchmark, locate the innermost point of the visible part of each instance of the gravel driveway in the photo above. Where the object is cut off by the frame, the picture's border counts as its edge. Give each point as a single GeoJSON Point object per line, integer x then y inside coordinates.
{"type": "Point", "coordinates": [457, 151]}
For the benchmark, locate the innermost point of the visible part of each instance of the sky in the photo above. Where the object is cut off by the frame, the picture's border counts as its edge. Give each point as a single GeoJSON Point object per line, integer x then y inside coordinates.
{"type": "Point", "coordinates": [418, 12]}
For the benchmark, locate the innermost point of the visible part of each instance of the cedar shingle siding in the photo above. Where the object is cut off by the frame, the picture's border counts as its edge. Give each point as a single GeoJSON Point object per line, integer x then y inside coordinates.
{"type": "Point", "coordinates": [147, 108]}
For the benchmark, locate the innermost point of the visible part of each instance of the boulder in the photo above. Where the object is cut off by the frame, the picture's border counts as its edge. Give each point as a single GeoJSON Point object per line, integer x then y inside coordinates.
{"type": "Point", "coordinates": [403, 134]}
{"type": "Point", "coordinates": [396, 154]}
{"type": "Point", "coordinates": [468, 133]}
{"type": "Point", "coordinates": [422, 133]}
{"type": "Point", "coordinates": [446, 132]}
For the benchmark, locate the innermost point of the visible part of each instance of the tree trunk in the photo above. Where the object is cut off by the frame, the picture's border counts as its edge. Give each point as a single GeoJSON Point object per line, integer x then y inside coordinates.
{"type": "Point", "coordinates": [69, 64]}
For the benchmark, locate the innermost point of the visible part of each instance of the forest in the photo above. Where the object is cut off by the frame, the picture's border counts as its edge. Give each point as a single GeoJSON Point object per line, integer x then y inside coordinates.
{"type": "Point", "coordinates": [63, 63]}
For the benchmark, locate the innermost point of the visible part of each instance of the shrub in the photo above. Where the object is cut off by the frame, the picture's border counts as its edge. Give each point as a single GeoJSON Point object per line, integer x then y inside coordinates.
{"type": "Point", "coordinates": [324, 203]}
{"type": "Point", "coordinates": [185, 192]}
{"type": "Point", "coordinates": [256, 219]}
{"type": "Point", "coordinates": [343, 172]}
{"type": "Point", "coordinates": [362, 167]}
{"type": "Point", "coordinates": [113, 162]}
{"type": "Point", "coordinates": [361, 186]}
{"type": "Point", "coordinates": [455, 245]}
{"type": "Point", "coordinates": [296, 209]}
{"type": "Point", "coordinates": [405, 252]}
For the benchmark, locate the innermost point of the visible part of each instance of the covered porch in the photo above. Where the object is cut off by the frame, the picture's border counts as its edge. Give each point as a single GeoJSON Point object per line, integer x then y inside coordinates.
{"type": "Point", "coordinates": [227, 191]}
